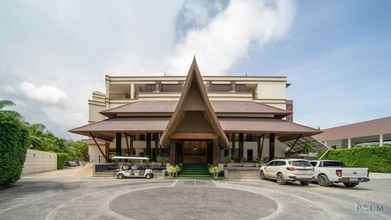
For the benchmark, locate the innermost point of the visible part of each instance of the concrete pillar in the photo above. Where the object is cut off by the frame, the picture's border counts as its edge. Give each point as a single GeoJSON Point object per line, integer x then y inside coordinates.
{"type": "Point", "coordinates": [381, 140]}
{"type": "Point", "coordinates": [157, 87]}
{"type": "Point", "coordinates": [132, 91]}
{"type": "Point", "coordinates": [241, 143]}
{"type": "Point", "coordinates": [271, 146]}
{"type": "Point", "coordinates": [118, 144]}
{"type": "Point", "coordinates": [233, 87]}
{"type": "Point", "coordinates": [349, 143]}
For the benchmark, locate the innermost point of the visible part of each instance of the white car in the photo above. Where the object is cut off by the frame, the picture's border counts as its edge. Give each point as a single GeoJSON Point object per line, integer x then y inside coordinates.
{"type": "Point", "coordinates": [284, 170]}
{"type": "Point", "coordinates": [328, 172]}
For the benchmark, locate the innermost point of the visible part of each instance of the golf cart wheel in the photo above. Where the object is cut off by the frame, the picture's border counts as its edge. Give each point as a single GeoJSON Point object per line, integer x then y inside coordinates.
{"type": "Point", "coordinates": [304, 183]}
{"type": "Point", "coordinates": [120, 176]}
{"type": "Point", "coordinates": [323, 180]}
{"type": "Point", "coordinates": [280, 179]}
{"type": "Point", "coordinates": [350, 185]}
{"type": "Point", "coordinates": [149, 176]}
{"type": "Point", "coordinates": [262, 175]}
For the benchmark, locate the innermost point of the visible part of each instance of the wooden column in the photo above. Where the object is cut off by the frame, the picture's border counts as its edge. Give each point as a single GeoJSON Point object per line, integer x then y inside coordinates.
{"type": "Point", "coordinates": [118, 144]}
{"type": "Point", "coordinates": [132, 151]}
{"type": "Point", "coordinates": [233, 146]}
{"type": "Point", "coordinates": [258, 148]}
{"type": "Point", "coordinates": [107, 151]}
{"type": "Point", "coordinates": [156, 152]}
{"type": "Point", "coordinates": [241, 143]}
{"type": "Point", "coordinates": [172, 152]}
{"type": "Point", "coordinates": [216, 152]}
{"type": "Point", "coordinates": [148, 140]}
{"type": "Point", "coordinates": [271, 146]}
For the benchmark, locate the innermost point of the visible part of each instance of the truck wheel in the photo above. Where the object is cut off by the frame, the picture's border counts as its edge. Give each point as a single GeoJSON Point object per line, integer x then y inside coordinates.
{"type": "Point", "coordinates": [304, 183]}
{"type": "Point", "coordinates": [148, 176]}
{"type": "Point", "coordinates": [280, 179]}
{"type": "Point", "coordinates": [350, 185]}
{"type": "Point", "coordinates": [120, 176]}
{"type": "Point", "coordinates": [262, 175]}
{"type": "Point", "coordinates": [323, 180]}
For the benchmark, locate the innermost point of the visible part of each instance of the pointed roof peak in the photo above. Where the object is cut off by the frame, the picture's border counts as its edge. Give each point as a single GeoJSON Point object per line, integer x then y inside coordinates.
{"type": "Point", "coordinates": [194, 78]}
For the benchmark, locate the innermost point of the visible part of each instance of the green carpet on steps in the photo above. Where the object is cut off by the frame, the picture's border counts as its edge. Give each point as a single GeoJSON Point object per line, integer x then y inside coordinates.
{"type": "Point", "coordinates": [199, 171]}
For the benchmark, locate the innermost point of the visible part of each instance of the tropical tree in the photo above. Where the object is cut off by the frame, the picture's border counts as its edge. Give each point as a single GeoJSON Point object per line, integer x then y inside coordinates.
{"type": "Point", "coordinates": [8, 103]}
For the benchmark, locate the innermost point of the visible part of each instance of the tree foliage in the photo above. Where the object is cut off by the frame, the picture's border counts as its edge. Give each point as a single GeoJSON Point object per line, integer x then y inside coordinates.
{"type": "Point", "coordinates": [17, 135]}
{"type": "Point", "coordinates": [14, 140]}
{"type": "Point", "coordinates": [376, 158]}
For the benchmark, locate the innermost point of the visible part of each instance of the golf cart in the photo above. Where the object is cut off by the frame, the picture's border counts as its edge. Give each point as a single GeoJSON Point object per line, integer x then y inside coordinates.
{"type": "Point", "coordinates": [133, 167]}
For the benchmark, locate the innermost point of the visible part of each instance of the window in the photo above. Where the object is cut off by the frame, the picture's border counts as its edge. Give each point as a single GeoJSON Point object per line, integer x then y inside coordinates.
{"type": "Point", "coordinates": [333, 164]}
{"type": "Point", "coordinates": [271, 163]}
{"type": "Point", "coordinates": [220, 87]}
{"type": "Point", "coordinates": [313, 163]}
{"type": "Point", "coordinates": [171, 87]}
{"type": "Point", "coordinates": [280, 163]}
{"type": "Point", "coordinates": [300, 163]}
{"type": "Point", "coordinates": [146, 88]}
{"type": "Point", "coordinates": [241, 88]}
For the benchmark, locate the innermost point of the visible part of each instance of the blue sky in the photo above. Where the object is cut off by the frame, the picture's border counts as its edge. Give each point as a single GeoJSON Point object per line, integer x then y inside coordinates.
{"type": "Point", "coordinates": [337, 57]}
{"type": "Point", "coordinates": [335, 53]}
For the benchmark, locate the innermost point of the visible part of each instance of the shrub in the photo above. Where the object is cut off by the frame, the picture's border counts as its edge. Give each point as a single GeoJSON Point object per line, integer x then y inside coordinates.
{"type": "Point", "coordinates": [377, 159]}
{"type": "Point", "coordinates": [14, 140]}
{"type": "Point", "coordinates": [61, 159]}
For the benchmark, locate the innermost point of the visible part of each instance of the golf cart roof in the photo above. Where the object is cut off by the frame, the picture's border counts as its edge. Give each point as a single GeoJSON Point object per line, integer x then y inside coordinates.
{"type": "Point", "coordinates": [129, 158]}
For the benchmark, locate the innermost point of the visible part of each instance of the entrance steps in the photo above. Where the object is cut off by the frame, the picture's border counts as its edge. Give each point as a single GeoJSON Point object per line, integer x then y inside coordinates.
{"type": "Point", "coordinates": [195, 170]}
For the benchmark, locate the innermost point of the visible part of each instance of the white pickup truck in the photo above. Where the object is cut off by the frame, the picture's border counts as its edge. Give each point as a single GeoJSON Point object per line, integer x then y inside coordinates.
{"type": "Point", "coordinates": [328, 172]}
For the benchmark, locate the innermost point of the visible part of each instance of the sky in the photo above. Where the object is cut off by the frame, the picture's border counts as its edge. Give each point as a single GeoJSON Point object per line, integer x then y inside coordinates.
{"type": "Point", "coordinates": [336, 54]}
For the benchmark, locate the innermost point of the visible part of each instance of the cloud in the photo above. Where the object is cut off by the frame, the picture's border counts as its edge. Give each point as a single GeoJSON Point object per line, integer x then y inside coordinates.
{"type": "Point", "coordinates": [62, 49]}
{"type": "Point", "coordinates": [227, 38]}
{"type": "Point", "coordinates": [45, 94]}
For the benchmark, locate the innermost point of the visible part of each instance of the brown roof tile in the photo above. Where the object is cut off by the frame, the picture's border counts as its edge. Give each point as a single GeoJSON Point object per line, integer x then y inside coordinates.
{"type": "Point", "coordinates": [228, 124]}
{"type": "Point", "coordinates": [161, 106]}
{"type": "Point", "coordinates": [361, 129]}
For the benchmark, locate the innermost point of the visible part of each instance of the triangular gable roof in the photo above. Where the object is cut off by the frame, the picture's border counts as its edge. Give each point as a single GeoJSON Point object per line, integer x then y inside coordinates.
{"type": "Point", "coordinates": [194, 75]}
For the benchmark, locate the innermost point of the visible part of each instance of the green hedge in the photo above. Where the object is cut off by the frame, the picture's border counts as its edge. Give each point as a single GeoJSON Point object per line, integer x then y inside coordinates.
{"type": "Point", "coordinates": [14, 140]}
{"type": "Point", "coordinates": [61, 158]}
{"type": "Point", "coordinates": [377, 159]}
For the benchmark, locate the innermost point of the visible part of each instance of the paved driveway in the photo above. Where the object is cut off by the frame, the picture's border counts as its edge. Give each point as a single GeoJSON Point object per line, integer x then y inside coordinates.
{"type": "Point", "coordinates": [108, 198]}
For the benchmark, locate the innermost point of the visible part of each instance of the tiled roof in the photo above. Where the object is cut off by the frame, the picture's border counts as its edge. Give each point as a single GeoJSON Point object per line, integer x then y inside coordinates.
{"type": "Point", "coordinates": [160, 106]}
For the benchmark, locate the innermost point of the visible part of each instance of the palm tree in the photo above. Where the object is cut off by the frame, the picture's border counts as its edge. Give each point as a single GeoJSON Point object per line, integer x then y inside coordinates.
{"type": "Point", "coordinates": [7, 103]}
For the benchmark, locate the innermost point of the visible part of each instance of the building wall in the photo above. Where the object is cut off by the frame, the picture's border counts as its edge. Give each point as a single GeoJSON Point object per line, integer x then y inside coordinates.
{"type": "Point", "coordinates": [271, 90]}
{"type": "Point", "coordinates": [267, 90]}
{"type": "Point", "coordinates": [39, 161]}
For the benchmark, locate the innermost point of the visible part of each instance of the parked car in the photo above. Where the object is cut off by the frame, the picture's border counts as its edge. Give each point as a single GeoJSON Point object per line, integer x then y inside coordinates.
{"type": "Point", "coordinates": [328, 172]}
{"type": "Point", "coordinates": [72, 163]}
{"type": "Point", "coordinates": [288, 170]}
{"type": "Point", "coordinates": [133, 167]}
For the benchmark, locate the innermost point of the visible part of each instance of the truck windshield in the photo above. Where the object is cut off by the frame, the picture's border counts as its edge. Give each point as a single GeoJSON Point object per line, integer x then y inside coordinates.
{"type": "Point", "coordinates": [333, 164]}
{"type": "Point", "coordinates": [300, 163]}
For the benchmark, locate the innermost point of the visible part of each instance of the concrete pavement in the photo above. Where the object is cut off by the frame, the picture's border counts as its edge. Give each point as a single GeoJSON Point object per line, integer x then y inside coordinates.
{"type": "Point", "coordinates": [108, 198]}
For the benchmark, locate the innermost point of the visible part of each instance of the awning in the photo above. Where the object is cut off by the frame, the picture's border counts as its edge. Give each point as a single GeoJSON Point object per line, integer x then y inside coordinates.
{"type": "Point", "coordinates": [283, 129]}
